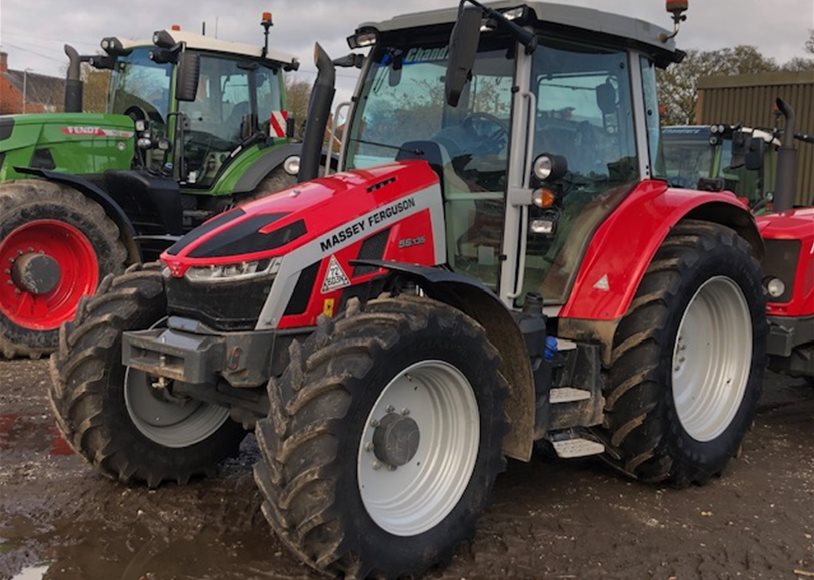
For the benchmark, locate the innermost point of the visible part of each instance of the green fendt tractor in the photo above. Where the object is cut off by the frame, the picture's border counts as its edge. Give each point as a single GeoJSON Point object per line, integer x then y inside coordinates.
{"type": "Point", "coordinates": [193, 125]}
{"type": "Point", "coordinates": [722, 158]}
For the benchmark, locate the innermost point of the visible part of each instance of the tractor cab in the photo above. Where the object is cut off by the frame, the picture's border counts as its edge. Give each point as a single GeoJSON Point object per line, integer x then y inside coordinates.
{"type": "Point", "coordinates": [721, 157]}
{"type": "Point", "coordinates": [583, 100]}
{"type": "Point", "coordinates": [200, 100]}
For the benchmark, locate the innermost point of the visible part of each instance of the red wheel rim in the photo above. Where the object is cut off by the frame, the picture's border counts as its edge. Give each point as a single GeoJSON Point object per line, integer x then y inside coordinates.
{"type": "Point", "coordinates": [79, 273]}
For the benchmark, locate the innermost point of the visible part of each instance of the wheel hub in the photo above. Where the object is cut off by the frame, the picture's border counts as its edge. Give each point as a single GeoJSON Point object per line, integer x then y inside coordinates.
{"type": "Point", "coordinates": [36, 273]}
{"type": "Point", "coordinates": [396, 439]}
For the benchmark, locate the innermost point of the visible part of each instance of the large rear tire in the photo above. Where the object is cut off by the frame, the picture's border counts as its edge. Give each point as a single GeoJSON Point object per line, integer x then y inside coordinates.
{"type": "Point", "coordinates": [55, 247]}
{"type": "Point", "coordinates": [113, 416]}
{"type": "Point", "coordinates": [688, 358]}
{"type": "Point", "coordinates": [384, 439]}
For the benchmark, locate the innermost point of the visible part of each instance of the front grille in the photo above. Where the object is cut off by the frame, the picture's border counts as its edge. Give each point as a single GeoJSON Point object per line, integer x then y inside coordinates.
{"type": "Point", "coordinates": [224, 306]}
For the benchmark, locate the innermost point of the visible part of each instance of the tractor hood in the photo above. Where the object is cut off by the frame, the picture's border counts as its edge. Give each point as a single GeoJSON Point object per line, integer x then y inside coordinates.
{"type": "Point", "coordinates": [793, 225]}
{"type": "Point", "coordinates": [62, 127]}
{"type": "Point", "coordinates": [328, 213]}
{"type": "Point", "coordinates": [75, 143]}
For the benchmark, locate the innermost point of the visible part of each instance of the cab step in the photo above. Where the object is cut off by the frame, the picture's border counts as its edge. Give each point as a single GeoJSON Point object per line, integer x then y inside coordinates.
{"type": "Point", "coordinates": [577, 447]}
{"type": "Point", "coordinates": [563, 395]}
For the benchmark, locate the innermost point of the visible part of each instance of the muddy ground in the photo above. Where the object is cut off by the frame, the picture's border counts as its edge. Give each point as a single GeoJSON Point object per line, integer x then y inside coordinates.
{"type": "Point", "coordinates": [549, 519]}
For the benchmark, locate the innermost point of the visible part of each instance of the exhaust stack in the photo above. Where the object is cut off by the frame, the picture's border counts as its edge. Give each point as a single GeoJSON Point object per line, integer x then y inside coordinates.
{"type": "Point", "coordinates": [786, 162]}
{"type": "Point", "coordinates": [319, 110]}
{"type": "Point", "coordinates": [73, 81]}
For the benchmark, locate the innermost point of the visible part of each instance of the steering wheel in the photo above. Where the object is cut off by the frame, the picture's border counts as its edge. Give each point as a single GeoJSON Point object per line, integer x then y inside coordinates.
{"type": "Point", "coordinates": [491, 142]}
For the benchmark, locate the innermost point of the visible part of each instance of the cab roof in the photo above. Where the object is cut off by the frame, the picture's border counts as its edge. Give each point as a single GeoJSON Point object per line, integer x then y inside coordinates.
{"type": "Point", "coordinates": [212, 44]}
{"type": "Point", "coordinates": [629, 30]}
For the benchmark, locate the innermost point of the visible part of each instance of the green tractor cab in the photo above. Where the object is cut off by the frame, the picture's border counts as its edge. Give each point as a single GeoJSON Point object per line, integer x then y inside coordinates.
{"type": "Point", "coordinates": [193, 126]}
{"type": "Point", "coordinates": [721, 158]}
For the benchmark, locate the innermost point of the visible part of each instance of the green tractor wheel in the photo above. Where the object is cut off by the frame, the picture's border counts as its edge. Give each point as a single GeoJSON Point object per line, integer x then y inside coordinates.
{"type": "Point", "coordinates": [55, 247]}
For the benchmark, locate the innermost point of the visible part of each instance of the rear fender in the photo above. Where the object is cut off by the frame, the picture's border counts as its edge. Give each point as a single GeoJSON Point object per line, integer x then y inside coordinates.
{"type": "Point", "coordinates": [623, 247]}
{"type": "Point", "coordinates": [480, 303]}
{"type": "Point", "coordinates": [94, 192]}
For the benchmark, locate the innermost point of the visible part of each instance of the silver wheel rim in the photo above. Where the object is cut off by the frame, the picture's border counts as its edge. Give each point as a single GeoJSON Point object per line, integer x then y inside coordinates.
{"type": "Point", "coordinates": [415, 497]}
{"type": "Point", "coordinates": [167, 423]}
{"type": "Point", "coordinates": [712, 358]}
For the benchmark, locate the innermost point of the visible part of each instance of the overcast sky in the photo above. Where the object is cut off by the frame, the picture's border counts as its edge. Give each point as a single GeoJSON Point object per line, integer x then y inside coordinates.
{"type": "Point", "coordinates": [33, 31]}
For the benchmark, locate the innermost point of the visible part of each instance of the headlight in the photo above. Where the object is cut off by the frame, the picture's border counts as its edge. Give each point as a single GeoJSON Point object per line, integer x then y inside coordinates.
{"type": "Point", "coordinates": [292, 165]}
{"type": "Point", "coordinates": [234, 272]}
{"type": "Point", "coordinates": [519, 15]}
{"type": "Point", "coordinates": [775, 287]}
{"type": "Point", "coordinates": [543, 167]}
{"type": "Point", "coordinates": [362, 39]}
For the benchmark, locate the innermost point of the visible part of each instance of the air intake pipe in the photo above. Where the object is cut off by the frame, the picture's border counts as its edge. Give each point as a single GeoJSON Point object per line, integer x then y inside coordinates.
{"type": "Point", "coordinates": [786, 162]}
{"type": "Point", "coordinates": [73, 81]}
{"type": "Point", "coordinates": [319, 111]}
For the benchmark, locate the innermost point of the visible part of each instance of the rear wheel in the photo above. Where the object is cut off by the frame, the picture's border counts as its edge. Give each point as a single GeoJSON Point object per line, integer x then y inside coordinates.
{"type": "Point", "coordinates": [384, 438]}
{"type": "Point", "coordinates": [55, 247]}
{"type": "Point", "coordinates": [688, 358]}
{"type": "Point", "coordinates": [123, 422]}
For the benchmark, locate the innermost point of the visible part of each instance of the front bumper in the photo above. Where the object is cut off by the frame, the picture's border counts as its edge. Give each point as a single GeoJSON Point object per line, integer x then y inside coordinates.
{"type": "Point", "coordinates": [190, 352]}
{"type": "Point", "coordinates": [787, 334]}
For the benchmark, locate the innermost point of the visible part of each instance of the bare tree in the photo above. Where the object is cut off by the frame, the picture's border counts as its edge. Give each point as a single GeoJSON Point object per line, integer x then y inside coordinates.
{"type": "Point", "coordinates": [678, 85]}
{"type": "Point", "coordinates": [298, 93]}
{"type": "Point", "coordinates": [95, 89]}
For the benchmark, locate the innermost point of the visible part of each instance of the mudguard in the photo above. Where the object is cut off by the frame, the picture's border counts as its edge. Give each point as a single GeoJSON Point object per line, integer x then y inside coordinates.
{"type": "Point", "coordinates": [94, 192]}
{"type": "Point", "coordinates": [480, 303]}
{"type": "Point", "coordinates": [625, 243]}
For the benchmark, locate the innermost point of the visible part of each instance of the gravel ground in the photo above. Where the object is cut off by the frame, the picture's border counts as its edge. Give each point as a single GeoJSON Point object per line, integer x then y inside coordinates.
{"type": "Point", "coordinates": [549, 519]}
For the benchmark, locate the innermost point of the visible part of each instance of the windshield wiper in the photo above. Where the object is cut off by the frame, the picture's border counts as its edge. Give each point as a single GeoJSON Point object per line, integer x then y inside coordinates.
{"type": "Point", "coordinates": [417, 152]}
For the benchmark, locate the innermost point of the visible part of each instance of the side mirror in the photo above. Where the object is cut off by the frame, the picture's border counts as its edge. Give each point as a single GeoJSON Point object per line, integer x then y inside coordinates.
{"type": "Point", "coordinates": [548, 168]}
{"type": "Point", "coordinates": [755, 156]}
{"type": "Point", "coordinates": [163, 39]}
{"type": "Point", "coordinates": [740, 146]}
{"type": "Point", "coordinates": [188, 75]}
{"type": "Point", "coordinates": [397, 63]}
{"type": "Point", "coordinates": [463, 45]}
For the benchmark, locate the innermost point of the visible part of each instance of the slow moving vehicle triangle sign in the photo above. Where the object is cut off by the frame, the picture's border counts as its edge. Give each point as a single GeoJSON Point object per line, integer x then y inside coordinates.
{"type": "Point", "coordinates": [335, 277]}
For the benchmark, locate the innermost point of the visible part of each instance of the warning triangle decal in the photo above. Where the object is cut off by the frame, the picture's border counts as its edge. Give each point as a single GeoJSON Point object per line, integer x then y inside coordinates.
{"type": "Point", "coordinates": [335, 277]}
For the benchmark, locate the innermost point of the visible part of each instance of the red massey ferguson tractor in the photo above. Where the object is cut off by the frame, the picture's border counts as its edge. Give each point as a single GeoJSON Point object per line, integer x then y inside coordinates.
{"type": "Point", "coordinates": [788, 233]}
{"type": "Point", "coordinates": [498, 264]}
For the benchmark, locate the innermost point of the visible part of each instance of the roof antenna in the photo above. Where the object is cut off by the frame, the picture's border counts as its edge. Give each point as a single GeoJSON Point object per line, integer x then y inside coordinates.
{"type": "Point", "coordinates": [266, 23]}
{"type": "Point", "coordinates": [677, 8]}
{"type": "Point", "coordinates": [203, 28]}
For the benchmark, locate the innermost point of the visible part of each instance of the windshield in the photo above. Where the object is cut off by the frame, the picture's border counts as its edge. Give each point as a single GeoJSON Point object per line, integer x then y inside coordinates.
{"type": "Point", "coordinates": [217, 117]}
{"type": "Point", "coordinates": [402, 100]}
{"type": "Point", "coordinates": [139, 82]}
{"type": "Point", "coordinates": [687, 155]}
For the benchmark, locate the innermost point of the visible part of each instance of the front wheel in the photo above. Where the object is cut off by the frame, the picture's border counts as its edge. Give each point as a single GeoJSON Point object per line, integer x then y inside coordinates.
{"type": "Point", "coordinates": [384, 438]}
{"type": "Point", "coordinates": [125, 423]}
{"type": "Point", "coordinates": [688, 358]}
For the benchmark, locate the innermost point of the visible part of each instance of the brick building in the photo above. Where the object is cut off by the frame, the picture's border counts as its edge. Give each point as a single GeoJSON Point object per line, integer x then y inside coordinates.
{"type": "Point", "coordinates": [42, 93]}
